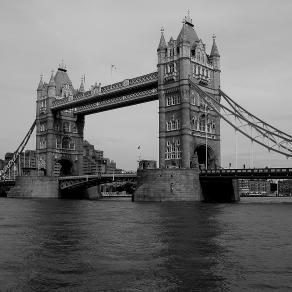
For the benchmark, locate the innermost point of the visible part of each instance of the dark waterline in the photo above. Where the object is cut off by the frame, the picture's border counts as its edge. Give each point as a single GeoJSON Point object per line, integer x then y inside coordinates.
{"type": "Point", "coordinates": [64, 245]}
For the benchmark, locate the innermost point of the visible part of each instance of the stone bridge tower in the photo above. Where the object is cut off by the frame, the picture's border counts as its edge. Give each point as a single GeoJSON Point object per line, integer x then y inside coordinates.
{"type": "Point", "coordinates": [59, 136]}
{"type": "Point", "coordinates": [185, 122]}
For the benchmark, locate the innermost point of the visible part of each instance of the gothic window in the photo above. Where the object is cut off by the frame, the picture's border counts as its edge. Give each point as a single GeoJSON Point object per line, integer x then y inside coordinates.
{"type": "Point", "coordinates": [42, 127]}
{"type": "Point", "coordinates": [173, 150]}
{"type": "Point", "coordinates": [194, 123]}
{"type": "Point", "coordinates": [193, 97]}
{"type": "Point", "coordinates": [202, 123]}
{"type": "Point", "coordinates": [43, 104]}
{"type": "Point", "coordinates": [72, 144]}
{"type": "Point", "coordinates": [58, 142]}
{"type": "Point", "coordinates": [57, 127]}
{"type": "Point", "coordinates": [168, 101]}
{"type": "Point", "coordinates": [213, 127]}
{"type": "Point", "coordinates": [66, 142]}
{"type": "Point", "coordinates": [209, 127]}
{"type": "Point", "coordinates": [74, 127]}
{"type": "Point", "coordinates": [167, 126]}
{"type": "Point", "coordinates": [66, 127]}
{"type": "Point", "coordinates": [177, 124]}
{"type": "Point", "coordinates": [198, 100]}
{"type": "Point", "coordinates": [177, 50]}
{"type": "Point", "coordinates": [43, 143]}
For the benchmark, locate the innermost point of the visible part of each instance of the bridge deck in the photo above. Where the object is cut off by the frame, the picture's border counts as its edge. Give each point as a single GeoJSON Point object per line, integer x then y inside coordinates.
{"type": "Point", "coordinates": [249, 173]}
{"type": "Point", "coordinates": [131, 89]}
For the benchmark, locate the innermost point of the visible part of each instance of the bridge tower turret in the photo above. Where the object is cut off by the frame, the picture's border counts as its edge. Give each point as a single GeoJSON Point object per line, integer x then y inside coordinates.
{"type": "Point", "coordinates": [185, 123]}
{"type": "Point", "coordinates": [215, 60]}
{"type": "Point", "coordinates": [161, 52]}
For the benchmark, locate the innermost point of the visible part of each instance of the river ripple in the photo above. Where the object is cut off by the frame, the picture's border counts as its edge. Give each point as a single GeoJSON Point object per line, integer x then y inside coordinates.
{"type": "Point", "coordinates": [64, 245]}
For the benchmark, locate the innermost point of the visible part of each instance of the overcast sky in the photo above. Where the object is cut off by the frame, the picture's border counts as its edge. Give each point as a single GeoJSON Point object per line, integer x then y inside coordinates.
{"type": "Point", "coordinates": [253, 37]}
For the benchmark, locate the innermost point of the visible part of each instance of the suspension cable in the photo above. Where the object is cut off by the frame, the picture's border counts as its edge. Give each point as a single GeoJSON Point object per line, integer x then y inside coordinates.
{"type": "Point", "coordinates": [285, 141]}
{"type": "Point", "coordinates": [17, 153]}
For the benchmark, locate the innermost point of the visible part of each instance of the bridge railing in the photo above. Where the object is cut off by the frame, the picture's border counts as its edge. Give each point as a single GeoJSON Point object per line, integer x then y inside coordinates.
{"type": "Point", "coordinates": [246, 171]}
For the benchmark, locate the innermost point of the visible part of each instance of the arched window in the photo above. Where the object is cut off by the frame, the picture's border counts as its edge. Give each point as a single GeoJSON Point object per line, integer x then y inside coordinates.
{"type": "Point", "coordinates": [202, 123]}
{"type": "Point", "coordinates": [173, 124]}
{"type": "Point", "coordinates": [43, 143]}
{"type": "Point", "coordinates": [58, 142]}
{"type": "Point", "coordinates": [72, 144]}
{"type": "Point", "coordinates": [167, 126]}
{"type": "Point", "coordinates": [66, 142]}
{"type": "Point", "coordinates": [66, 127]}
{"type": "Point", "coordinates": [74, 127]}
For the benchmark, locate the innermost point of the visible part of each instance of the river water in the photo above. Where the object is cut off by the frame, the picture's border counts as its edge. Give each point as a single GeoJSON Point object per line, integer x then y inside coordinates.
{"type": "Point", "coordinates": [67, 245]}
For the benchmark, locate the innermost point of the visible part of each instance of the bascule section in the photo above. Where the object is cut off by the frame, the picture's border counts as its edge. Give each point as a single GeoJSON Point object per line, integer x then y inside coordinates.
{"type": "Point", "coordinates": [59, 135]}
{"type": "Point", "coordinates": [189, 129]}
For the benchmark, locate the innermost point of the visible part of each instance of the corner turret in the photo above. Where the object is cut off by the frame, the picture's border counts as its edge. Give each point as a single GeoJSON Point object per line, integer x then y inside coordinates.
{"type": "Point", "coordinates": [52, 86]}
{"type": "Point", "coordinates": [215, 56]}
{"type": "Point", "coordinates": [81, 88]}
{"type": "Point", "coordinates": [162, 43]}
{"type": "Point", "coordinates": [40, 88]}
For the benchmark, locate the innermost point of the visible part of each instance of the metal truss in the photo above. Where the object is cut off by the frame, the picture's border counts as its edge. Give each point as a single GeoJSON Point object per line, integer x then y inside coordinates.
{"type": "Point", "coordinates": [16, 155]}
{"type": "Point", "coordinates": [246, 123]}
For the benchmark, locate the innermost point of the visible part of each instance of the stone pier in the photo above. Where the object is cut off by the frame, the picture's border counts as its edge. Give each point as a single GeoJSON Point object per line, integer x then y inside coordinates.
{"type": "Point", "coordinates": [34, 187]}
{"type": "Point", "coordinates": [176, 184]}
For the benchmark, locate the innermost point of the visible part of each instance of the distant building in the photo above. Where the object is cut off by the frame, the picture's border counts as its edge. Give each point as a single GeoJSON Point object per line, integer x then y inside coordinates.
{"type": "Point", "coordinates": [147, 164]}
{"type": "Point", "coordinates": [285, 187]}
{"type": "Point", "coordinates": [29, 164]}
{"type": "Point", "coordinates": [2, 163]}
{"type": "Point", "coordinates": [94, 162]}
{"type": "Point", "coordinates": [259, 187]}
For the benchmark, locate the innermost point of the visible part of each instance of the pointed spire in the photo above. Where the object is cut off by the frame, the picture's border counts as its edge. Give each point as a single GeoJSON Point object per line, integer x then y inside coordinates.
{"type": "Point", "coordinates": [41, 84]}
{"type": "Point", "coordinates": [81, 88]}
{"type": "Point", "coordinates": [62, 66]}
{"type": "Point", "coordinates": [162, 43]}
{"type": "Point", "coordinates": [52, 81]}
{"type": "Point", "coordinates": [187, 33]}
{"type": "Point", "coordinates": [214, 50]}
{"type": "Point", "coordinates": [188, 19]}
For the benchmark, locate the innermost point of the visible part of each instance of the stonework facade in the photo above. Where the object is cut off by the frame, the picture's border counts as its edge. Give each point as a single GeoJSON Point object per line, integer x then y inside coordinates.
{"type": "Point", "coordinates": [59, 137]}
{"type": "Point", "coordinates": [185, 121]}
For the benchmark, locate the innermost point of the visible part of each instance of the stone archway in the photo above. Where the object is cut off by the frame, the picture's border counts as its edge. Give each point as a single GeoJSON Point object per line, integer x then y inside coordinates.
{"type": "Point", "coordinates": [201, 153]}
{"type": "Point", "coordinates": [66, 167]}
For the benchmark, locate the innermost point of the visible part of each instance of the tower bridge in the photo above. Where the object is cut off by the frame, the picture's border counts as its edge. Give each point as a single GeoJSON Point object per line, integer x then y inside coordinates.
{"type": "Point", "coordinates": [191, 107]}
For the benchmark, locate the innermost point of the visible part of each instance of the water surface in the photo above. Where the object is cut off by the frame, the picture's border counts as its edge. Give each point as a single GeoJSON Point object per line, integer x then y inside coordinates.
{"type": "Point", "coordinates": [65, 245]}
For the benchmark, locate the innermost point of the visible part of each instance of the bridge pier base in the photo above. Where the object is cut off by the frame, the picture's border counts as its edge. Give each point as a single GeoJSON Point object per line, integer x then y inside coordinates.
{"type": "Point", "coordinates": [34, 187]}
{"type": "Point", "coordinates": [169, 184]}
{"type": "Point", "coordinates": [183, 185]}
{"type": "Point", "coordinates": [220, 190]}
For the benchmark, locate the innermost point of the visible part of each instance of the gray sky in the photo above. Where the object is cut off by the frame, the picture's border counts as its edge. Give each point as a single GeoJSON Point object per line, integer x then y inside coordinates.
{"type": "Point", "coordinates": [253, 37]}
